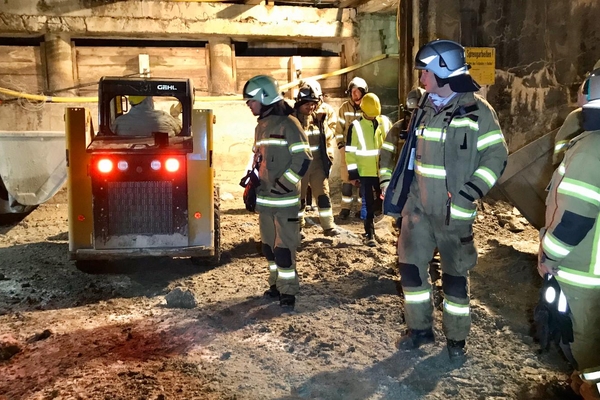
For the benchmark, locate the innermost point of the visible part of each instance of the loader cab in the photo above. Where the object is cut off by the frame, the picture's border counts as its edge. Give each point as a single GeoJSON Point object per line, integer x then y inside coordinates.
{"type": "Point", "coordinates": [118, 97]}
{"type": "Point", "coordinates": [149, 192]}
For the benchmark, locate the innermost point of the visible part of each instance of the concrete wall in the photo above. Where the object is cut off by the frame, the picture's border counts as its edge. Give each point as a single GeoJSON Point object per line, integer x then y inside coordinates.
{"type": "Point", "coordinates": [377, 35]}
{"type": "Point", "coordinates": [543, 51]}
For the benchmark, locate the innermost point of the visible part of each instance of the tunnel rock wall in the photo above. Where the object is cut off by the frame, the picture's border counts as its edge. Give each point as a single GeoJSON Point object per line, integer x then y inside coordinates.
{"type": "Point", "coordinates": [544, 50]}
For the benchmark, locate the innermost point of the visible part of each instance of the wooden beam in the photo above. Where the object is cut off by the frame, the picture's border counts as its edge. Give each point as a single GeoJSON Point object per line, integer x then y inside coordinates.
{"type": "Point", "coordinates": [254, 2]}
{"type": "Point", "coordinates": [373, 6]}
{"type": "Point", "coordinates": [188, 20]}
{"type": "Point", "coordinates": [349, 3]}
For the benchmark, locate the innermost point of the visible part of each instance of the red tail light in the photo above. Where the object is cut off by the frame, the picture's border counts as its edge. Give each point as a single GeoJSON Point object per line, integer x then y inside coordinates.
{"type": "Point", "coordinates": [172, 165]}
{"type": "Point", "coordinates": [105, 165]}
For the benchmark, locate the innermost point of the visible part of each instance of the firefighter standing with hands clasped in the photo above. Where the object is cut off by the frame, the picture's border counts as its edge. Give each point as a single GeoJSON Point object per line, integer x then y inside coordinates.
{"type": "Point", "coordinates": [282, 154]}
{"type": "Point", "coordinates": [569, 244]}
{"type": "Point", "coordinates": [454, 153]}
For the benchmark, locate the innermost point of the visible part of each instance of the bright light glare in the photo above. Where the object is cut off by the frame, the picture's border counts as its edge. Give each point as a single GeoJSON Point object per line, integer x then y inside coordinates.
{"type": "Point", "coordinates": [122, 165]}
{"type": "Point", "coordinates": [155, 165]}
{"type": "Point", "coordinates": [105, 165]}
{"type": "Point", "coordinates": [172, 165]}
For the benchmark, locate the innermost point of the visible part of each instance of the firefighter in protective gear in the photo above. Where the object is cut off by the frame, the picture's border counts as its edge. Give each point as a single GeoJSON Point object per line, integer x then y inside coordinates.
{"type": "Point", "coordinates": [281, 149]}
{"type": "Point", "coordinates": [327, 114]}
{"type": "Point", "coordinates": [394, 140]}
{"type": "Point", "coordinates": [349, 111]}
{"type": "Point", "coordinates": [569, 239]}
{"type": "Point", "coordinates": [143, 119]}
{"type": "Point", "coordinates": [572, 126]}
{"type": "Point", "coordinates": [365, 138]}
{"type": "Point", "coordinates": [321, 141]}
{"type": "Point", "coordinates": [454, 154]}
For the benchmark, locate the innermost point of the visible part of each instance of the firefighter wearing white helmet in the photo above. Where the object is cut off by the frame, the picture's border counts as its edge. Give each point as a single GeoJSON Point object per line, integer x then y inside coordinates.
{"type": "Point", "coordinates": [454, 154]}
{"type": "Point", "coordinates": [283, 156]}
{"type": "Point", "coordinates": [321, 142]}
{"type": "Point", "coordinates": [348, 112]}
{"type": "Point", "coordinates": [569, 241]}
{"type": "Point", "coordinates": [365, 137]}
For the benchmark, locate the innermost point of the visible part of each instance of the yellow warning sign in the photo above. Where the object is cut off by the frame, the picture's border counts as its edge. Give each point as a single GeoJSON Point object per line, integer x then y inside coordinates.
{"type": "Point", "coordinates": [483, 64]}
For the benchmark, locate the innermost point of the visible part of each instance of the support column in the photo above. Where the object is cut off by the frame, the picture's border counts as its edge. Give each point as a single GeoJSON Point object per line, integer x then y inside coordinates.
{"type": "Point", "coordinates": [59, 64]}
{"type": "Point", "coordinates": [221, 67]}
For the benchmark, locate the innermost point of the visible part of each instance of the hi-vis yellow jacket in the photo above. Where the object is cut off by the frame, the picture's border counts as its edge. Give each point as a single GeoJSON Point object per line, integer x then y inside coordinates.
{"type": "Point", "coordinates": [284, 153]}
{"type": "Point", "coordinates": [569, 240]}
{"type": "Point", "coordinates": [364, 141]}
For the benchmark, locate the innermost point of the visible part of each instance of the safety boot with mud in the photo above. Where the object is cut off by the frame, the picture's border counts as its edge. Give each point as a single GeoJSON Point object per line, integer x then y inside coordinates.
{"type": "Point", "coordinates": [287, 301]}
{"type": "Point", "coordinates": [456, 350]}
{"type": "Point", "coordinates": [344, 214]}
{"type": "Point", "coordinates": [272, 292]}
{"type": "Point", "coordinates": [416, 338]}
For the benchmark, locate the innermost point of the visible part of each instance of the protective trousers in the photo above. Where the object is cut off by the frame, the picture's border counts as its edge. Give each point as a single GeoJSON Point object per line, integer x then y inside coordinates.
{"type": "Point", "coordinates": [370, 187]}
{"type": "Point", "coordinates": [583, 305]}
{"type": "Point", "coordinates": [420, 235]}
{"type": "Point", "coordinates": [348, 189]}
{"type": "Point", "coordinates": [279, 232]}
{"type": "Point", "coordinates": [319, 184]}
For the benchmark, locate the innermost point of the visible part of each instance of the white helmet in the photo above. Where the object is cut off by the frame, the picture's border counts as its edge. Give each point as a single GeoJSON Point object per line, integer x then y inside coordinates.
{"type": "Point", "coordinates": [263, 89]}
{"type": "Point", "coordinates": [357, 82]}
{"type": "Point", "coordinates": [591, 86]}
{"type": "Point", "coordinates": [310, 90]}
{"type": "Point", "coordinates": [446, 59]}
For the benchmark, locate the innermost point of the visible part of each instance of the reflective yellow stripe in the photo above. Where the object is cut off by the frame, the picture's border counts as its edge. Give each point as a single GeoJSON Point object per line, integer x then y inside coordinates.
{"type": "Point", "coordinates": [278, 201]}
{"type": "Point", "coordinates": [489, 139]}
{"type": "Point", "coordinates": [417, 297]}
{"type": "Point", "coordinates": [272, 142]}
{"type": "Point", "coordinates": [299, 147]}
{"type": "Point", "coordinates": [431, 171]}
{"type": "Point", "coordinates": [577, 279]}
{"type": "Point", "coordinates": [461, 213]}
{"type": "Point", "coordinates": [554, 247]}
{"type": "Point", "coordinates": [388, 146]}
{"type": "Point", "coordinates": [487, 175]}
{"type": "Point", "coordinates": [456, 309]}
{"type": "Point", "coordinates": [286, 274]}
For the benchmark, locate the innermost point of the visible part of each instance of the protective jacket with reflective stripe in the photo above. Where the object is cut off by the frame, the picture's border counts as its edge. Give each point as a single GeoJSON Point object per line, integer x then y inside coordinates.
{"type": "Point", "coordinates": [452, 157]}
{"type": "Point", "coordinates": [571, 127]}
{"type": "Point", "coordinates": [365, 138]}
{"type": "Point", "coordinates": [571, 238]}
{"type": "Point", "coordinates": [346, 115]}
{"type": "Point", "coordinates": [390, 150]}
{"type": "Point", "coordinates": [320, 137]}
{"type": "Point", "coordinates": [282, 146]}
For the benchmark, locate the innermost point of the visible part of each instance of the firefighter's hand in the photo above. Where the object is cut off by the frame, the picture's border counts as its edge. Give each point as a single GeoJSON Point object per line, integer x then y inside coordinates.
{"type": "Point", "coordinates": [542, 267]}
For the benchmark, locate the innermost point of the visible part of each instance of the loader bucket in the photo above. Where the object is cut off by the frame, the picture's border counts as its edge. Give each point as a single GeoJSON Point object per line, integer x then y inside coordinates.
{"type": "Point", "coordinates": [527, 176]}
{"type": "Point", "coordinates": [32, 165]}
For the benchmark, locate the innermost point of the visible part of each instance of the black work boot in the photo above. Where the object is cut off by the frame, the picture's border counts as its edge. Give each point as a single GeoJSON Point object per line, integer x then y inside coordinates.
{"type": "Point", "coordinates": [344, 214]}
{"type": "Point", "coordinates": [272, 292]}
{"type": "Point", "coordinates": [415, 338]}
{"type": "Point", "coordinates": [287, 301]}
{"type": "Point", "coordinates": [456, 350]}
{"type": "Point", "coordinates": [370, 233]}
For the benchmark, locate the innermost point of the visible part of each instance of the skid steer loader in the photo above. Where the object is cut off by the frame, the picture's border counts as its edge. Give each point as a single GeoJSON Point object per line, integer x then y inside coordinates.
{"type": "Point", "coordinates": [143, 194]}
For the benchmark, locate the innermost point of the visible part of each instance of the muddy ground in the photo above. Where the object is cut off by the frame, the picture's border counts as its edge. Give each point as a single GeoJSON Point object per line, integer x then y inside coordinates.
{"type": "Point", "coordinates": [109, 335]}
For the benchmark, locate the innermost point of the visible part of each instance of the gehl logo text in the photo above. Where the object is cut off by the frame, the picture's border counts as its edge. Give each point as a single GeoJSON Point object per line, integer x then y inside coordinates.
{"type": "Point", "coordinates": [166, 87]}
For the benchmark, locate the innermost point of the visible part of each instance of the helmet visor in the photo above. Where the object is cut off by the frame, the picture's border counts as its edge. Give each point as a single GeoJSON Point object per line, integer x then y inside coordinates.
{"type": "Point", "coordinates": [452, 62]}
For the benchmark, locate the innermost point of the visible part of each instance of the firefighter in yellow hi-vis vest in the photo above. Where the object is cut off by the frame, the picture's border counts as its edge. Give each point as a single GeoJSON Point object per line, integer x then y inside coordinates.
{"type": "Point", "coordinates": [365, 138]}
{"type": "Point", "coordinates": [282, 151]}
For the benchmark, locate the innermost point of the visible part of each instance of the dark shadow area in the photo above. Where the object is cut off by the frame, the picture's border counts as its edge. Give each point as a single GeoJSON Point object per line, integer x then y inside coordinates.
{"type": "Point", "coordinates": [9, 221]}
{"type": "Point", "coordinates": [237, 211]}
{"type": "Point", "coordinates": [155, 344]}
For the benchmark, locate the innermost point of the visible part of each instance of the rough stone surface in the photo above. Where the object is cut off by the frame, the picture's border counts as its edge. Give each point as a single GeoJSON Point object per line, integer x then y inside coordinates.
{"type": "Point", "coordinates": [181, 298]}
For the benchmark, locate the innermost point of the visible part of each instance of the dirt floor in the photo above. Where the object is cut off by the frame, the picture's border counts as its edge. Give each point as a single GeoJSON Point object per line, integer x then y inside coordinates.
{"type": "Point", "coordinates": [109, 335]}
